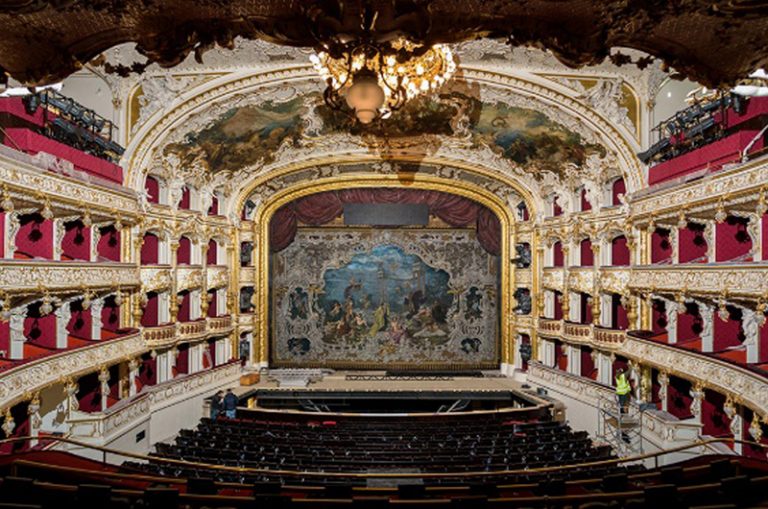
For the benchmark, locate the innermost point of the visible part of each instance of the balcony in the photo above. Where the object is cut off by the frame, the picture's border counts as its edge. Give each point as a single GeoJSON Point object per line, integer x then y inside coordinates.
{"type": "Point", "coordinates": [167, 335]}
{"type": "Point", "coordinates": [550, 328]}
{"type": "Point", "coordinates": [609, 339]}
{"type": "Point", "coordinates": [745, 279]}
{"type": "Point", "coordinates": [33, 375]}
{"type": "Point", "coordinates": [577, 332]}
{"type": "Point", "coordinates": [27, 275]}
{"type": "Point", "coordinates": [217, 276]}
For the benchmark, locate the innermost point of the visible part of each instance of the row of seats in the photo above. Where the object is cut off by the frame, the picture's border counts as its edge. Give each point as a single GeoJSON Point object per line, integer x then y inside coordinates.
{"type": "Point", "coordinates": [391, 444]}
{"type": "Point", "coordinates": [723, 482]}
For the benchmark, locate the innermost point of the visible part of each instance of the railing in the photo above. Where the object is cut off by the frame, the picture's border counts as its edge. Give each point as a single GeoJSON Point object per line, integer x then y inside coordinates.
{"type": "Point", "coordinates": [550, 328]}
{"type": "Point", "coordinates": [746, 279]}
{"type": "Point", "coordinates": [160, 335]}
{"type": "Point", "coordinates": [192, 330]}
{"type": "Point", "coordinates": [577, 332]}
{"type": "Point", "coordinates": [609, 338]}
{"type": "Point", "coordinates": [699, 445]}
{"type": "Point", "coordinates": [128, 413]}
{"type": "Point", "coordinates": [34, 375]}
{"type": "Point", "coordinates": [219, 323]}
{"type": "Point", "coordinates": [24, 275]}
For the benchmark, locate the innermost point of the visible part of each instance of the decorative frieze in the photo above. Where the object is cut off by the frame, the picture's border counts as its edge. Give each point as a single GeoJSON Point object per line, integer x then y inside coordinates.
{"type": "Point", "coordinates": [738, 279]}
{"type": "Point", "coordinates": [34, 375]}
{"type": "Point", "coordinates": [21, 276]}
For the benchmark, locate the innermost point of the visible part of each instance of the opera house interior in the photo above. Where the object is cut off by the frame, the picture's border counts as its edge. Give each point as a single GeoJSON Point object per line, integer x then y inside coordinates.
{"type": "Point", "coordinates": [383, 253]}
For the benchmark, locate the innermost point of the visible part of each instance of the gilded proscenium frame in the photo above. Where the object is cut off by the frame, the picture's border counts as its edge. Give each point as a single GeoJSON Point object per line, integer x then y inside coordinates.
{"type": "Point", "coordinates": [265, 213]}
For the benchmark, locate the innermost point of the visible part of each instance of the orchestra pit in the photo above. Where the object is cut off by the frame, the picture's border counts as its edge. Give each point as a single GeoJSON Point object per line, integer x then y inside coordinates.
{"type": "Point", "coordinates": [383, 254]}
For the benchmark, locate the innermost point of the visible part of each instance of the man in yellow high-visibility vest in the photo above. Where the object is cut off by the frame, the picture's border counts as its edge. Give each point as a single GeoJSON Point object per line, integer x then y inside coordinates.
{"type": "Point", "coordinates": [622, 389]}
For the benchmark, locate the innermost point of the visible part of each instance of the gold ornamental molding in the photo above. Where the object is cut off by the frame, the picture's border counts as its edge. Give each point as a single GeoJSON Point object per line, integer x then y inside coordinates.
{"type": "Point", "coordinates": [553, 278]}
{"type": "Point", "coordinates": [34, 375]}
{"type": "Point", "coordinates": [738, 186]}
{"type": "Point", "coordinates": [24, 276]}
{"type": "Point", "coordinates": [418, 181]}
{"type": "Point", "coordinates": [745, 280]}
{"type": "Point", "coordinates": [217, 276]}
{"type": "Point", "coordinates": [25, 181]}
{"type": "Point", "coordinates": [150, 139]}
{"type": "Point", "coordinates": [724, 377]}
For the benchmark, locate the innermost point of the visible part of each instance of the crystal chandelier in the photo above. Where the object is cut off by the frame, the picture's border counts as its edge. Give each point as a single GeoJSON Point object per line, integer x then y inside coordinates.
{"type": "Point", "coordinates": [370, 80]}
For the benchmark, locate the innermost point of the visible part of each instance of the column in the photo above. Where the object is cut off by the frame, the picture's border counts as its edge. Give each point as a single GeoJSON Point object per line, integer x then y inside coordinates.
{"type": "Point", "coordinates": [173, 354]}
{"type": "Point", "coordinates": [96, 307]}
{"type": "Point", "coordinates": [58, 236]}
{"type": "Point", "coordinates": [606, 311]}
{"type": "Point", "coordinates": [710, 236]}
{"type": "Point", "coordinates": [737, 423]}
{"type": "Point", "coordinates": [663, 379]}
{"type": "Point", "coordinates": [221, 301]}
{"type": "Point", "coordinates": [104, 387]}
{"type": "Point", "coordinates": [697, 393]}
{"type": "Point", "coordinates": [674, 240]}
{"type": "Point", "coordinates": [574, 359]}
{"type": "Point", "coordinates": [16, 325]}
{"type": "Point", "coordinates": [672, 313]}
{"type": "Point", "coordinates": [63, 315]}
{"type": "Point", "coordinates": [35, 420]}
{"type": "Point", "coordinates": [95, 238]}
{"type": "Point", "coordinates": [11, 229]}
{"type": "Point", "coordinates": [751, 328]}
{"type": "Point", "coordinates": [646, 384]}
{"type": "Point", "coordinates": [70, 390]}
{"type": "Point", "coordinates": [549, 304]}
{"type": "Point", "coordinates": [574, 314]}
{"type": "Point", "coordinates": [133, 374]}
{"type": "Point", "coordinates": [194, 304]}
{"type": "Point", "coordinates": [164, 307]}
{"type": "Point", "coordinates": [707, 334]}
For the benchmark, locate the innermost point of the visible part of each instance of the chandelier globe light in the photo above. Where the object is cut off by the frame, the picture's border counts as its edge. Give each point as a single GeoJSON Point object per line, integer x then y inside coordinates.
{"type": "Point", "coordinates": [369, 80]}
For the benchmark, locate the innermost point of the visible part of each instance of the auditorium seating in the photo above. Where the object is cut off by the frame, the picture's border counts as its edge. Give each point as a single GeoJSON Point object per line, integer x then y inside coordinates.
{"type": "Point", "coordinates": [396, 444]}
{"type": "Point", "coordinates": [53, 479]}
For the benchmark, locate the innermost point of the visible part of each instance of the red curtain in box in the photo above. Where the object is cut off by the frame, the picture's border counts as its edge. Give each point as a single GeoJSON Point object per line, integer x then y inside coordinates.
{"type": "Point", "coordinates": [108, 247]}
{"type": "Point", "coordinates": [587, 256]}
{"type": "Point", "coordinates": [80, 321]}
{"type": "Point", "coordinates": [619, 251]}
{"type": "Point", "coordinates": [150, 317]}
{"type": "Point", "coordinates": [558, 306]}
{"type": "Point", "coordinates": [733, 240]}
{"type": "Point", "coordinates": [587, 364]}
{"type": "Point", "coordinates": [322, 208]}
{"type": "Point", "coordinates": [728, 333]}
{"type": "Point", "coordinates": [715, 422]}
{"type": "Point", "coordinates": [110, 315]}
{"type": "Point", "coordinates": [184, 306]}
{"type": "Point", "coordinates": [692, 244]}
{"type": "Point", "coordinates": [618, 188]}
{"type": "Point", "coordinates": [585, 205]}
{"type": "Point", "coordinates": [661, 247]}
{"type": "Point", "coordinates": [557, 254]}
{"type": "Point", "coordinates": [35, 237]}
{"type": "Point", "coordinates": [152, 186]}
{"type": "Point", "coordinates": [76, 243]}
{"type": "Point", "coordinates": [40, 329]}
{"type": "Point", "coordinates": [212, 304]}
{"type": "Point", "coordinates": [184, 251]}
{"type": "Point", "coordinates": [150, 249]}
{"type": "Point", "coordinates": [679, 394]}
{"type": "Point", "coordinates": [212, 253]}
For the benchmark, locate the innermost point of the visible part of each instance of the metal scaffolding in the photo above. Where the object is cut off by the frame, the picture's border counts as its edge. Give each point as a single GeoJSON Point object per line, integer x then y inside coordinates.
{"type": "Point", "coordinates": [621, 429]}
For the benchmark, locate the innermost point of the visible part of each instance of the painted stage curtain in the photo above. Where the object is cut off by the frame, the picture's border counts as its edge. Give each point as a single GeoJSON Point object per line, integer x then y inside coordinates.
{"type": "Point", "coordinates": [322, 208]}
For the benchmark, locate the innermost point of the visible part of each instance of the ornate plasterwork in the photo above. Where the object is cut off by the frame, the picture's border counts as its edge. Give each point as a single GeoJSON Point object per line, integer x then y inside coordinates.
{"type": "Point", "coordinates": [218, 277]}
{"type": "Point", "coordinates": [744, 280]}
{"type": "Point", "coordinates": [581, 279]}
{"type": "Point", "coordinates": [188, 278]}
{"type": "Point", "coordinates": [25, 181]}
{"type": "Point", "coordinates": [24, 276]}
{"type": "Point", "coordinates": [34, 375]}
{"type": "Point", "coordinates": [553, 278]}
{"type": "Point", "coordinates": [740, 185]}
{"type": "Point", "coordinates": [751, 388]}
{"type": "Point", "coordinates": [200, 110]}
{"type": "Point", "coordinates": [614, 280]}
{"type": "Point", "coordinates": [154, 279]}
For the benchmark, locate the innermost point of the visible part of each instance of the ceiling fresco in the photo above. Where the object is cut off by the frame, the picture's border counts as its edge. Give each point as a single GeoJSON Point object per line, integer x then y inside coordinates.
{"type": "Point", "coordinates": [252, 134]}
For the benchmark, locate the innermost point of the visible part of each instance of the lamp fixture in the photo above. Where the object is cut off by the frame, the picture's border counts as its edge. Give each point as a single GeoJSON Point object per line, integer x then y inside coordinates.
{"type": "Point", "coordinates": [368, 79]}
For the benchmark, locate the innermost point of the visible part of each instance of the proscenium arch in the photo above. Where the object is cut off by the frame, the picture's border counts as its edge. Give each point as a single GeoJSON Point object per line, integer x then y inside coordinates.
{"type": "Point", "coordinates": [266, 211]}
{"type": "Point", "coordinates": [151, 136]}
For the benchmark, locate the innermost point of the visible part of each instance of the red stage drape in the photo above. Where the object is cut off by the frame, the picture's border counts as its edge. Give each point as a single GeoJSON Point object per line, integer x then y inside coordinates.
{"type": "Point", "coordinates": [322, 208]}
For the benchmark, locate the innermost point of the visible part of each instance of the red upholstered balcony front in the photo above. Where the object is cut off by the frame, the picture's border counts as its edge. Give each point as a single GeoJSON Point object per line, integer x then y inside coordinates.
{"type": "Point", "coordinates": [30, 142]}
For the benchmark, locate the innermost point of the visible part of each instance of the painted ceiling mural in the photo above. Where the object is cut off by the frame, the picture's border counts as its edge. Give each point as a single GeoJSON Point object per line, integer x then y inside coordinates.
{"type": "Point", "coordinates": [252, 134]}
